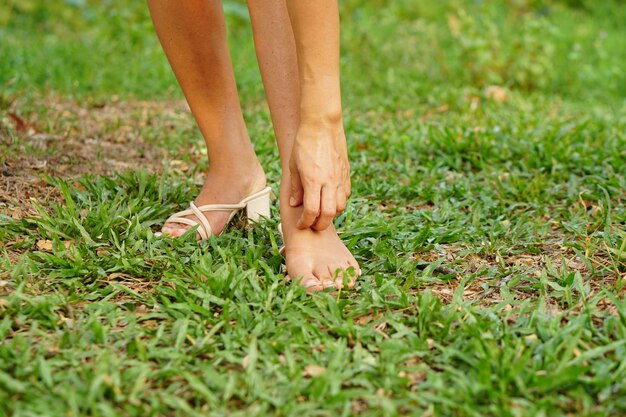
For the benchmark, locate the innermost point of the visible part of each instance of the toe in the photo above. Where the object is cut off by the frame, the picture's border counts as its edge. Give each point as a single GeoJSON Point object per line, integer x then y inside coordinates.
{"type": "Point", "coordinates": [173, 231]}
{"type": "Point", "coordinates": [167, 230]}
{"type": "Point", "coordinates": [352, 262]}
{"type": "Point", "coordinates": [171, 227]}
{"type": "Point", "coordinates": [311, 284]}
{"type": "Point", "coordinates": [353, 271]}
{"type": "Point", "coordinates": [324, 276]}
{"type": "Point", "coordinates": [337, 274]}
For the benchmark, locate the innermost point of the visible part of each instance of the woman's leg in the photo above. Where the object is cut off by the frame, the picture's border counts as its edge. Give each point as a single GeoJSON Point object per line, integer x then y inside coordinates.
{"type": "Point", "coordinates": [193, 36]}
{"type": "Point", "coordinates": [312, 255]}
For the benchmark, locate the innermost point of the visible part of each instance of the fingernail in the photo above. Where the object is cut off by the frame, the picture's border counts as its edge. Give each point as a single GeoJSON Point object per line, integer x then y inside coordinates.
{"type": "Point", "coordinates": [292, 201]}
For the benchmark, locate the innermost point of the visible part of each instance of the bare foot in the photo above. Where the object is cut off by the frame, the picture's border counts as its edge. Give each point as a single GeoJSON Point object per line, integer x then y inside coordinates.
{"type": "Point", "coordinates": [222, 188]}
{"type": "Point", "coordinates": [318, 258]}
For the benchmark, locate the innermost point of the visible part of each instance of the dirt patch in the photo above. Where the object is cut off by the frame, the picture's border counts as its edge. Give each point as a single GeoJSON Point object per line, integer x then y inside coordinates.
{"type": "Point", "coordinates": [67, 140]}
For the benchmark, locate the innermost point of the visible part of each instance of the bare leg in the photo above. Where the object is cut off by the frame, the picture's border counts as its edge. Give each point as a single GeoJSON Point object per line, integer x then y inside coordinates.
{"type": "Point", "coordinates": [312, 255]}
{"type": "Point", "coordinates": [193, 36]}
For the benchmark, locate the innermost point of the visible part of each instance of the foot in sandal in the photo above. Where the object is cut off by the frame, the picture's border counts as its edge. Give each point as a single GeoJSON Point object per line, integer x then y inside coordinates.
{"type": "Point", "coordinates": [319, 259]}
{"type": "Point", "coordinates": [219, 189]}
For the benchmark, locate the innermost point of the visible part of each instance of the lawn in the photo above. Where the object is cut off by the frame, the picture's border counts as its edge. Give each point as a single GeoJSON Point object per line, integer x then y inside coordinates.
{"type": "Point", "coordinates": [488, 149]}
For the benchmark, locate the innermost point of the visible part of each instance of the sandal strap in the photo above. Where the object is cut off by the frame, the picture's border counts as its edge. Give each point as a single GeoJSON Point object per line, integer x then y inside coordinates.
{"type": "Point", "coordinates": [204, 228]}
{"type": "Point", "coordinates": [221, 207]}
{"type": "Point", "coordinates": [203, 221]}
{"type": "Point", "coordinates": [281, 250]}
{"type": "Point", "coordinates": [189, 222]}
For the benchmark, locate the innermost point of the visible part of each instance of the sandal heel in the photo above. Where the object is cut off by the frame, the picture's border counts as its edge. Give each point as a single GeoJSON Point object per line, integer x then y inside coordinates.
{"type": "Point", "coordinates": [258, 207]}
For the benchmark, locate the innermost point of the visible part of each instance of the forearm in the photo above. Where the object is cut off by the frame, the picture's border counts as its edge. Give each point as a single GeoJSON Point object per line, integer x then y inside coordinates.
{"type": "Point", "coordinates": [315, 25]}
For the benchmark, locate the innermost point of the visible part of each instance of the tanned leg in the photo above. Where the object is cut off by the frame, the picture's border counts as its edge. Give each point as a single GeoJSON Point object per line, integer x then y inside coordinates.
{"type": "Point", "coordinates": [313, 256]}
{"type": "Point", "coordinates": [193, 36]}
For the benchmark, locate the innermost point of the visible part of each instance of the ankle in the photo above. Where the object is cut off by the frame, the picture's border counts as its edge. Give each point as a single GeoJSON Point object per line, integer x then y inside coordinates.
{"type": "Point", "coordinates": [285, 185]}
{"type": "Point", "coordinates": [248, 176]}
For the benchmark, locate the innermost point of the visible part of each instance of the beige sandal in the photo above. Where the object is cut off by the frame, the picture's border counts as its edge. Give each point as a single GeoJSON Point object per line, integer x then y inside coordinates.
{"type": "Point", "coordinates": [281, 250]}
{"type": "Point", "coordinates": [257, 205]}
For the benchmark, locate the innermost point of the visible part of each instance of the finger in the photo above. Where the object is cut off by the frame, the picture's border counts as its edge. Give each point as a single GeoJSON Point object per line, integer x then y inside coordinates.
{"type": "Point", "coordinates": [311, 207]}
{"type": "Point", "coordinates": [328, 209]}
{"type": "Point", "coordinates": [341, 199]}
{"type": "Point", "coordinates": [296, 189]}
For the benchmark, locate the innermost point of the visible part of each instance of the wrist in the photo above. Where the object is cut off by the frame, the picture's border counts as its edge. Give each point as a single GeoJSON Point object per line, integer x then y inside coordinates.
{"type": "Point", "coordinates": [320, 101]}
{"type": "Point", "coordinates": [318, 117]}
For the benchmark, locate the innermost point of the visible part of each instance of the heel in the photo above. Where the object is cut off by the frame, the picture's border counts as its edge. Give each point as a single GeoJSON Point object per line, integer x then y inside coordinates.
{"type": "Point", "coordinates": [258, 206]}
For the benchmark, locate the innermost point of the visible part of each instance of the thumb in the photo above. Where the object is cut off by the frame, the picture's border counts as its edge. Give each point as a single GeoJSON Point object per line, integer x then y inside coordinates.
{"type": "Point", "coordinates": [297, 193]}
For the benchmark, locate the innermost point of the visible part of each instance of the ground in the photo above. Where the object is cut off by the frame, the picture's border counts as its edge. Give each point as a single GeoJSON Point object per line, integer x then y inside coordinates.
{"type": "Point", "coordinates": [488, 215]}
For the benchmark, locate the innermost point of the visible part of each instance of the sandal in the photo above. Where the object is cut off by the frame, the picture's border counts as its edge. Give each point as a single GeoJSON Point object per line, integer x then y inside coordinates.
{"type": "Point", "coordinates": [257, 205]}
{"type": "Point", "coordinates": [281, 250]}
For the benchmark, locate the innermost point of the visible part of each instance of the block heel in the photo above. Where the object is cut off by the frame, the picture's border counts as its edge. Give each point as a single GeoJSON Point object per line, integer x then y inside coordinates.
{"type": "Point", "coordinates": [258, 205]}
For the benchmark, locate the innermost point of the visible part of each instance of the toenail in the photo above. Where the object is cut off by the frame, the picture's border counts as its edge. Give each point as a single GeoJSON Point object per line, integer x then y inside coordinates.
{"type": "Point", "coordinates": [329, 283]}
{"type": "Point", "coordinates": [309, 282]}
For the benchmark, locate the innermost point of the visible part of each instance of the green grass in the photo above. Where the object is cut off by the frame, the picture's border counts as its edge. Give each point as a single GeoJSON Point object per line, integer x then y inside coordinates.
{"type": "Point", "coordinates": [491, 233]}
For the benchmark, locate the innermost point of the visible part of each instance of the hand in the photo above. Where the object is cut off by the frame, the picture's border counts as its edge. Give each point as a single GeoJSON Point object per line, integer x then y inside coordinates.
{"type": "Point", "coordinates": [320, 175]}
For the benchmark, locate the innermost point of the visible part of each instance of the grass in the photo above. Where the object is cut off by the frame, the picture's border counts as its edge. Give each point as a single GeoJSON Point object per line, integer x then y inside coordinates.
{"type": "Point", "coordinates": [487, 214]}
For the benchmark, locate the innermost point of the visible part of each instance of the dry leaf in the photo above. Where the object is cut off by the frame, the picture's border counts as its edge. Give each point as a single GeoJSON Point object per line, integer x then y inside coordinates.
{"type": "Point", "coordinates": [413, 377]}
{"type": "Point", "coordinates": [44, 245]}
{"type": "Point", "coordinates": [20, 124]}
{"type": "Point", "coordinates": [121, 276]}
{"type": "Point", "coordinates": [497, 93]}
{"type": "Point", "coordinates": [246, 361]}
{"type": "Point", "coordinates": [441, 109]}
{"type": "Point", "coordinates": [370, 360]}
{"type": "Point", "coordinates": [455, 25]}
{"type": "Point", "coordinates": [431, 343]}
{"type": "Point", "coordinates": [314, 370]}
{"type": "Point", "coordinates": [177, 165]}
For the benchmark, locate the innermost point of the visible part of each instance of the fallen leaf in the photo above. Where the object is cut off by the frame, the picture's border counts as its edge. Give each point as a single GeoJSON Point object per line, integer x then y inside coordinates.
{"type": "Point", "coordinates": [246, 361]}
{"type": "Point", "coordinates": [441, 109]}
{"type": "Point", "coordinates": [455, 25]}
{"type": "Point", "coordinates": [497, 93]}
{"type": "Point", "coordinates": [177, 165]}
{"type": "Point", "coordinates": [121, 276]}
{"type": "Point", "coordinates": [370, 360]}
{"type": "Point", "coordinates": [44, 245]}
{"type": "Point", "coordinates": [20, 124]}
{"type": "Point", "coordinates": [314, 370]}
